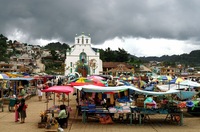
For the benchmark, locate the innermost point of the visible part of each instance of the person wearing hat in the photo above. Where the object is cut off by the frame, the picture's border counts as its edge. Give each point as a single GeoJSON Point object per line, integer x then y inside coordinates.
{"type": "Point", "coordinates": [22, 110]}
{"type": "Point", "coordinates": [47, 94]}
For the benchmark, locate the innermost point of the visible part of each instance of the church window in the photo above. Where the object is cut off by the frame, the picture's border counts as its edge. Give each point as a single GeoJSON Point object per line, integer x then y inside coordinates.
{"type": "Point", "coordinates": [82, 40]}
{"type": "Point", "coordinates": [83, 57]}
{"type": "Point", "coordinates": [71, 67]}
{"type": "Point", "coordinates": [78, 41]}
{"type": "Point", "coordinates": [86, 41]}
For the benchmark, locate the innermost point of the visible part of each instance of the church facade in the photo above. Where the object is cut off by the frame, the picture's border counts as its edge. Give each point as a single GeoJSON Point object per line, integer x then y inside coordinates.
{"type": "Point", "coordinates": [82, 58]}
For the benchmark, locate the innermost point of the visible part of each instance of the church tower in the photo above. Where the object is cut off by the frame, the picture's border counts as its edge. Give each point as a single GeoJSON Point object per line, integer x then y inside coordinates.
{"type": "Point", "coordinates": [82, 58]}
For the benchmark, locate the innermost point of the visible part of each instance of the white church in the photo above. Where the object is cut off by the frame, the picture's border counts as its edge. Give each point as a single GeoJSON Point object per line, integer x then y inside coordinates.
{"type": "Point", "coordinates": [82, 58]}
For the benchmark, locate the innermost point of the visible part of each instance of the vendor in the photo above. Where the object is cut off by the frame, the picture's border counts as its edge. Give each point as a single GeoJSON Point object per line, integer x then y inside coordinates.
{"type": "Point", "coordinates": [21, 91]}
{"type": "Point", "coordinates": [97, 101]}
{"type": "Point", "coordinates": [62, 116]}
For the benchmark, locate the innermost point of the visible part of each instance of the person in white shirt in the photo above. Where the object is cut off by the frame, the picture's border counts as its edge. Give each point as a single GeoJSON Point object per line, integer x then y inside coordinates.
{"type": "Point", "coordinates": [39, 88]}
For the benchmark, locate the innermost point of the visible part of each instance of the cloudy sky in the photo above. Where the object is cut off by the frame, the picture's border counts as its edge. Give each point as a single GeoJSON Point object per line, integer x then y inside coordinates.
{"type": "Point", "coordinates": [141, 27]}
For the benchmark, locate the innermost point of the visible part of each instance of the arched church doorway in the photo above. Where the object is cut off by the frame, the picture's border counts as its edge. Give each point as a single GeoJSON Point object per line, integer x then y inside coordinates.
{"type": "Point", "coordinates": [83, 70]}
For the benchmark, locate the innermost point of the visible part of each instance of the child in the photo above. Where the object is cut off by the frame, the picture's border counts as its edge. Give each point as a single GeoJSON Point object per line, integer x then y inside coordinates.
{"type": "Point", "coordinates": [16, 112]}
{"type": "Point", "coordinates": [22, 110]}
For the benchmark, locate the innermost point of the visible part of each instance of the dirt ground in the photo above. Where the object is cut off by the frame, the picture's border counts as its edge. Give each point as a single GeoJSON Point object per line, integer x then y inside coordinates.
{"type": "Point", "coordinates": [155, 124]}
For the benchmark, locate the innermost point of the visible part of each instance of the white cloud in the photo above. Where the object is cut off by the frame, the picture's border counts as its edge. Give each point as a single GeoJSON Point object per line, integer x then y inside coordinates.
{"type": "Point", "coordinates": [136, 46]}
{"type": "Point", "coordinates": [43, 42]}
{"type": "Point", "coordinates": [17, 35]}
{"type": "Point", "coordinates": [22, 37]}
{"type": "Point", "coordinates": [149, 47]}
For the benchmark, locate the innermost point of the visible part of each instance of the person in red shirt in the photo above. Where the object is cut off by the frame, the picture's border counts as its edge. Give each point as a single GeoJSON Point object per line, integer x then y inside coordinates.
{"type": "Point", "coordinates": [22, 110]}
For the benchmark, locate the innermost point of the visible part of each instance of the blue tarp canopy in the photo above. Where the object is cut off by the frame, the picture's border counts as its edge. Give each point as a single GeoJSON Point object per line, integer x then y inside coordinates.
{"type": "Point", "coordinates": [20, 79]}
{"type": "Point", "coordinates": [186, 94]}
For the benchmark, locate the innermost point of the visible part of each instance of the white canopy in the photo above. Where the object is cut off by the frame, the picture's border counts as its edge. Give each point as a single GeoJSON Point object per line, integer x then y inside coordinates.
{"type": "Point", "coordinates": [190, 83]}
{"type": "Point", "coordinates": [170, 86]}
{"type": "Point", "coordinates": [93, 88]}
{"type": "Point", "coordinates": [171, 91]}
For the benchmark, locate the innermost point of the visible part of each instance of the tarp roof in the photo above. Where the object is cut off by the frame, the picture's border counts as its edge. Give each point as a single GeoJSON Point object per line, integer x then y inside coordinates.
{"type": "Point", "coordinates": [20, 79]}
{"type": "Point", "coordinates": [93, 88]}
{"type": "Point", "coordinates": [167, 87]}
{"type": "Point", "coordinates": [190, 83]}
{"type": "Point", "coordinates": [98, 89]}
{"type": "Point", "coordinates": [171, 91]}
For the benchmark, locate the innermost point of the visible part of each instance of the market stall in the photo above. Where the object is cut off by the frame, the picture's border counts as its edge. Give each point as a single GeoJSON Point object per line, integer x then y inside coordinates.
{"type": "Point", "coordinates": [3, 87]}
{"type": "Point", "coordinates": [17, 88]}
{"type": "Point", "coordinates": [160, 103]}
{"type": "Point", "coordinates": [99, 102]}
{"type": "Point", "coordinates": [48, 117]}
{"type": "Point", "coordinates": [122, 106]}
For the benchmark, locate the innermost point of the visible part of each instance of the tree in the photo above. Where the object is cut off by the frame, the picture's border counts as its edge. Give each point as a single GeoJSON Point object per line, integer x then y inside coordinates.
{"type": "Point", "coordinates": [3, 49]}
{"type": "Point", "coordinates": [109, 55]}
{"type": "Point", "coordinates": [54, 55]}
{"type": "Point", "coordinates": [121, 55]}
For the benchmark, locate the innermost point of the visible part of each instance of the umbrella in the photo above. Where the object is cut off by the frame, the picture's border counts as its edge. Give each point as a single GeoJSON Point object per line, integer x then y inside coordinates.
{"type": "Point", "coordinates": [129, 78]}
{"type": "Point", "coordinates": [189, 104]}
{"type": "Point", "coordinates": [25, 74]}
{"type": "Point", "coordinates": [84, 81]}
{"type": "Point", "coordinates": [178, 80]}
{"type": "Point", "coordinates": [164, 78]}
{"type": "Point", "coordinates": [95, 77]}
{"type": "Point", "coordinates": [3, 76]}
{"type": "Point", "coordinates": [59, 89]}
{"type": "Point", "coordinates": [13, 74]}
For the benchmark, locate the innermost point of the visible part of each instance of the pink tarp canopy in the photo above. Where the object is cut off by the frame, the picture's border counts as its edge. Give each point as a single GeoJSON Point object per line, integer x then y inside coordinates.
{"type": "Point", "coordinates": [59, 89]}
{"type": "Point", "coordinates": [85, 81]}
{"type": "Point", "coordinates": [96, 77]}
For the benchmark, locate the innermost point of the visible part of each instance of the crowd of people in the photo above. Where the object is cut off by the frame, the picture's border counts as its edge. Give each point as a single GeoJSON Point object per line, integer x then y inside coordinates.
{"type": "Point", "coordinates": [63, 114]}
{"type": "Point", "coordinates": [21, 106]}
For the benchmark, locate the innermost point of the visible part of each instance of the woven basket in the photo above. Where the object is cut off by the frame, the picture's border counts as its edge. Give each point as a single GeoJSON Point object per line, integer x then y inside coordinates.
{"type": "Point", "coordinates": [183, 109]}
{"type": "Point", "coordinates": [41, 125]}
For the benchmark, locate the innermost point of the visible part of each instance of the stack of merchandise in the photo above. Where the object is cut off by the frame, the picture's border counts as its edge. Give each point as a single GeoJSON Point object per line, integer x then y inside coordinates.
{"type": "Point", "coordinates": [140, 101]}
